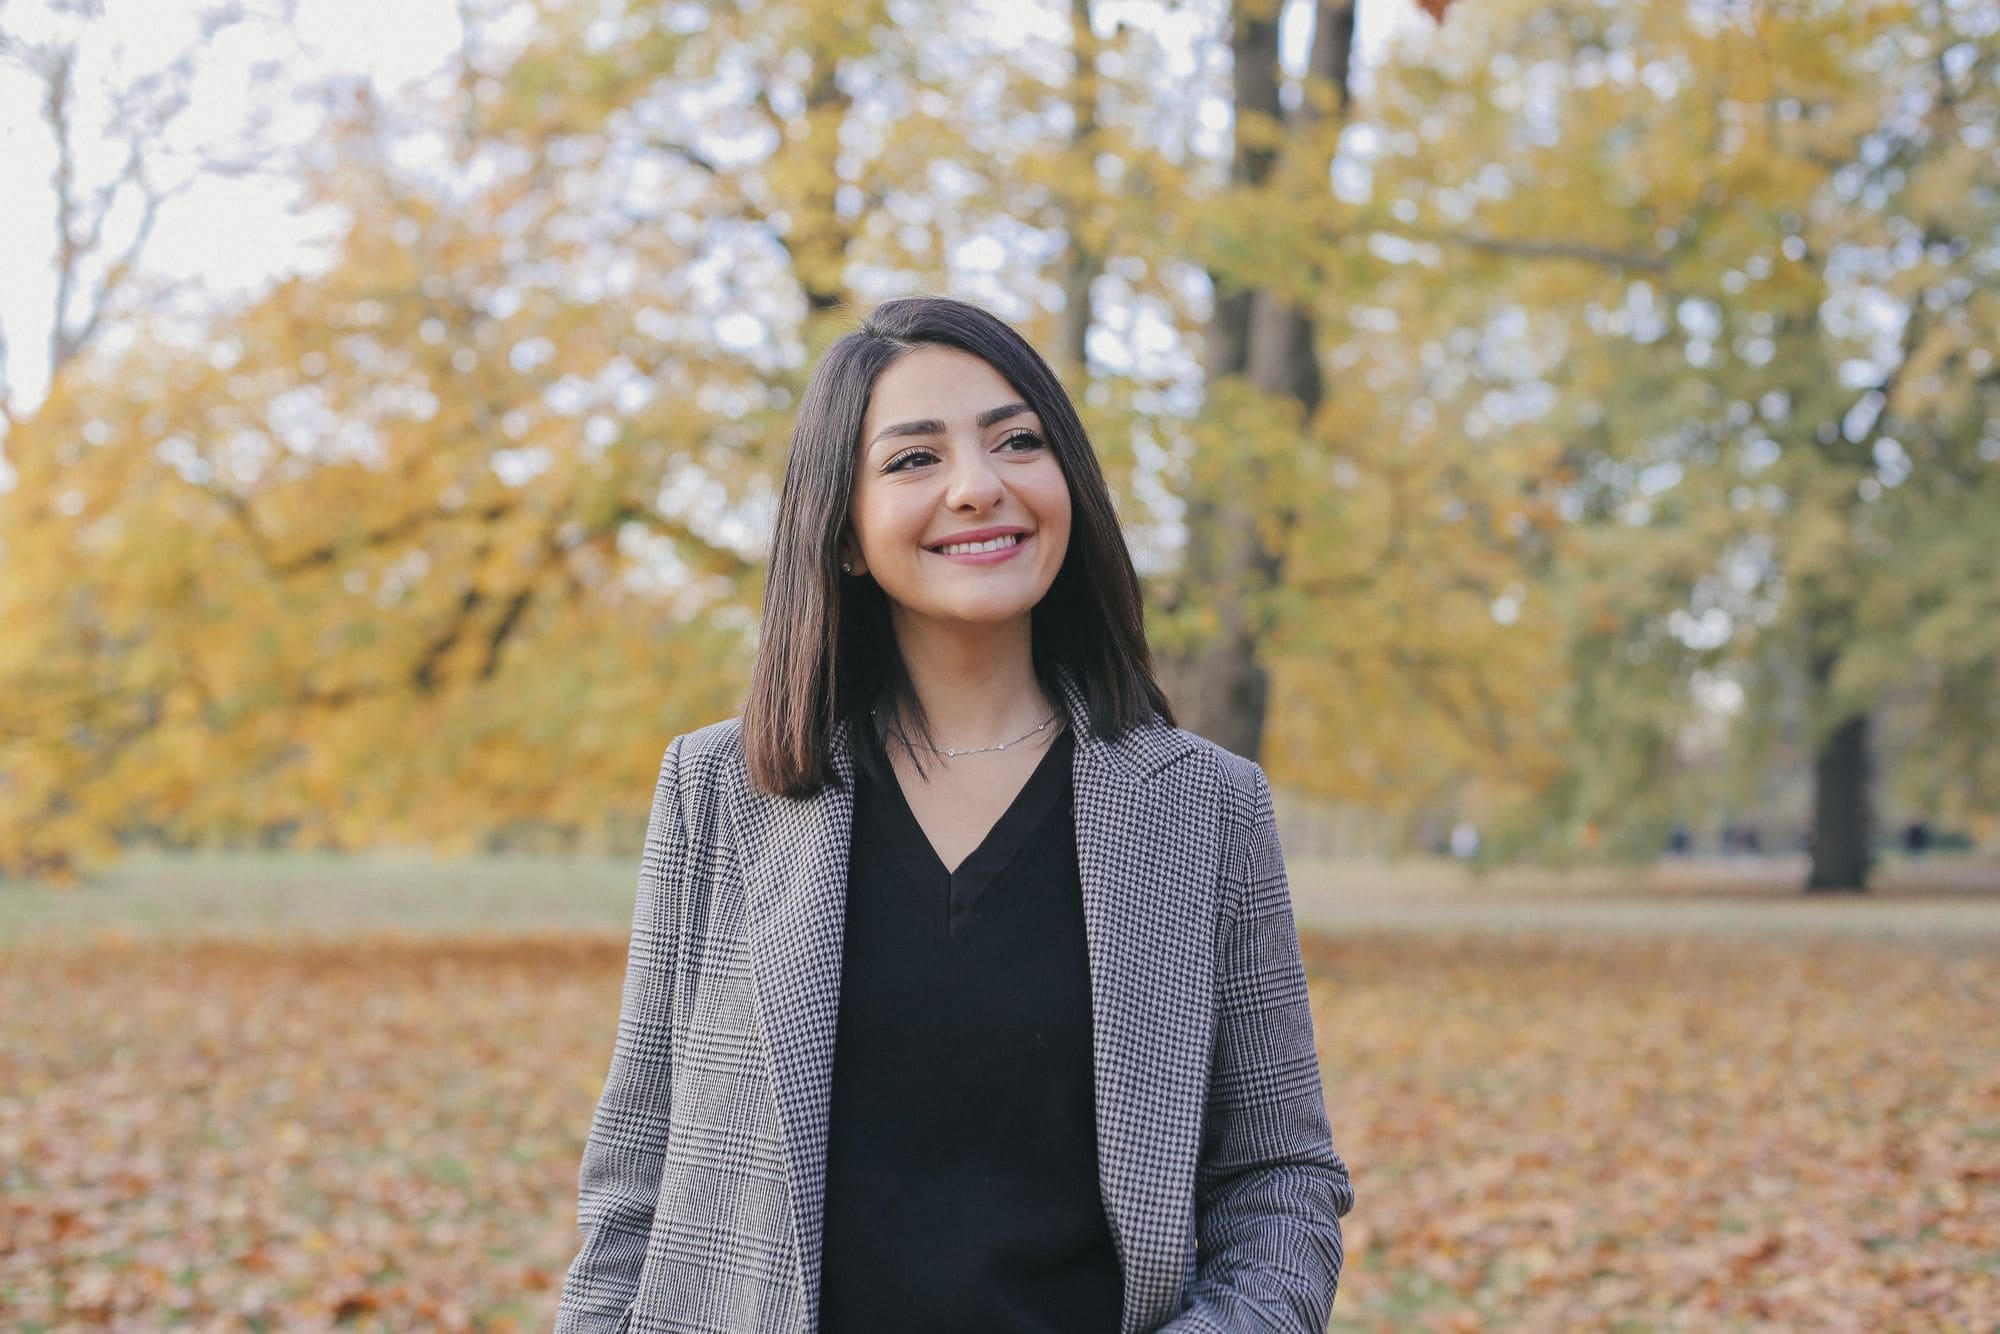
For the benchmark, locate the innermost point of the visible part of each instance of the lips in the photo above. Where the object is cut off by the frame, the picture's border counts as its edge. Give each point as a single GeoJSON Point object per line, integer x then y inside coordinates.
{"type": "Point", "coordinates": [980, 535]}
{"type": "Point", "coordinates": [991, 545]}
{"type": "Point", "coordinates": [980, 555]}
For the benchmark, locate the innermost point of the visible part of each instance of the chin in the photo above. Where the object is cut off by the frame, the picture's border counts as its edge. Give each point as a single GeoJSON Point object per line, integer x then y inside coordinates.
{"type": "Point", "coordinates": [986, 617]}
{"type": "Point", "coordinates": [981, 614]}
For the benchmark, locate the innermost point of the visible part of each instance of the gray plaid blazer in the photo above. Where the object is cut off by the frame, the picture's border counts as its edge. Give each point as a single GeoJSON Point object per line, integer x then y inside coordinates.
{"type": "Point", "coordinates": [704, 1173]}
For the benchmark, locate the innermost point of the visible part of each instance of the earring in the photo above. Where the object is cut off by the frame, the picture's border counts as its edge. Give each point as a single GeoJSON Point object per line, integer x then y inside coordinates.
{"type": "Point", "coordinates": [847, 567]}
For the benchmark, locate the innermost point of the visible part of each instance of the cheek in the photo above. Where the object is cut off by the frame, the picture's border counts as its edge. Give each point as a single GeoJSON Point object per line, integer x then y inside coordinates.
{"type": "Point", "coordinates": [884, 518]}
{"type": "Point", "coordinates": [1052, 499]}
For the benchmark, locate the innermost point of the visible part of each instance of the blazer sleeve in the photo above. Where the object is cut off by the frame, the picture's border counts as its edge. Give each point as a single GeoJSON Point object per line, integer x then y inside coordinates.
{"type": "Point", "coordinates": [620, 1177]}
{"type": "Point", "coordinates": [1269, 1189]}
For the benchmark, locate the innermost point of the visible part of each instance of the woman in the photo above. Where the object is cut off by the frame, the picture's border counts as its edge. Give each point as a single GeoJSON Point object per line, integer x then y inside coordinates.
{"type": "Point", "coordinates": [963, 991]}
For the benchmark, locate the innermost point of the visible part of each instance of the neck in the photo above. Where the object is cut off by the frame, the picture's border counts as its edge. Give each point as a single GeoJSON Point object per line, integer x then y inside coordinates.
{"type": "Point", "coordinates": [976, 684]}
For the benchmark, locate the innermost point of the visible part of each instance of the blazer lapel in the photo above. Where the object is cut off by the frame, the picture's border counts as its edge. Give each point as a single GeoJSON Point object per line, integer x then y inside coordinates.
{"type": "Point", "coordinates": [794, 854]}
{"type": "Point", "coordinates": [1144, 856]}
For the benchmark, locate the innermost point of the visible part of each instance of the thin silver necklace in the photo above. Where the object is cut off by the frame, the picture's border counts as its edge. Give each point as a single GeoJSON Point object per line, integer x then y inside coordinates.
{"type": "Point", "coordinates": [954, 751]}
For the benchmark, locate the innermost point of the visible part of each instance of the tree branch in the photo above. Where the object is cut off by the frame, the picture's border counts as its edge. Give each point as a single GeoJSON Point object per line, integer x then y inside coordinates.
{"type": "Point", "coordinates": [1533, 248]}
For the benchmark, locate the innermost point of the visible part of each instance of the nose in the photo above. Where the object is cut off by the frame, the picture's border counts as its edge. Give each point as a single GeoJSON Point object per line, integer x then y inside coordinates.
{"type": "Point", "coordinates": [974, 483]}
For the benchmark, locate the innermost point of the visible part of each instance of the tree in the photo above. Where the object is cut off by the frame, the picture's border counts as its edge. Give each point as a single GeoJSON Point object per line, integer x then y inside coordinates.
{"type": "Point", "coordinates": [1262, 340]}
{"type": "Point", "coordinates": [115, 121]}
{"type": "Point", "coordinates": [1352, 604]}
{"type": "Point", "coordinates": [121, 151]}
{"type": "Point", "coordinates": [496, 478]}
{"type": "Point", "coordinates": [1778, 409]}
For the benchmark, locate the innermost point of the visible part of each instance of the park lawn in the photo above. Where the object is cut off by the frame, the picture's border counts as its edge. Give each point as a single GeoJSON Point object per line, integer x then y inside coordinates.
{"type": "Point", "coordinates": [1545, 1132]}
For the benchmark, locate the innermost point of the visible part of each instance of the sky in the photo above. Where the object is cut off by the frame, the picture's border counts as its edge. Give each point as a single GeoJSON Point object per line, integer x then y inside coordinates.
{"type": "Point", "coordinates": [228, 236]}
{"type": "Point", "coordinates": [235, 236]}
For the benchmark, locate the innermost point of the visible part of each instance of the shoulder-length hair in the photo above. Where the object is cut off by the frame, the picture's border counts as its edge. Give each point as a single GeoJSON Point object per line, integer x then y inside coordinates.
{"type": "Point", "coordinates": [827, 652]}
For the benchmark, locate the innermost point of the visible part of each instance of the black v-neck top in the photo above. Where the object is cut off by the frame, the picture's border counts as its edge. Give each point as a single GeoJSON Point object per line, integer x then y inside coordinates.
{"type": "Point", "coordinates": [961, 1172]}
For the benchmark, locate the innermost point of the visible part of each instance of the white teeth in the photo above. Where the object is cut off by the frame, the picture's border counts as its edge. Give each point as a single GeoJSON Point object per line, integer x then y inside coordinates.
{"type": "Point", "coordinates": [995, 544]}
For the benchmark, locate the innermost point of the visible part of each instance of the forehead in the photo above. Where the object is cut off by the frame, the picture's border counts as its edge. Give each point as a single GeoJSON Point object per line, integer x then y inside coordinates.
{"type": "Point", "coordinates": [936, 382]}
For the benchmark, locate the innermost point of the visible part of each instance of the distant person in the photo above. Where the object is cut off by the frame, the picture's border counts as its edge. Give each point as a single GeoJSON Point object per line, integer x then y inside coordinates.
{"type": "Point", "coordinates": [1679, 841]}
{"type": "Point", "coordinates": [1916, 838]}
{"type": "Point", "coordinates": [1742, 839]}
{"type": "Point", "coordinates": [963, 988]}
{"type": "Point", "coordinates": [1465, 840]}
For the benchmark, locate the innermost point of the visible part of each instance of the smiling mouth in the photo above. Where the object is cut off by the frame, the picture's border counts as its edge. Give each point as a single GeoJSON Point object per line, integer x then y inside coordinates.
{"type": "Point", "coordinates": [991, 544]}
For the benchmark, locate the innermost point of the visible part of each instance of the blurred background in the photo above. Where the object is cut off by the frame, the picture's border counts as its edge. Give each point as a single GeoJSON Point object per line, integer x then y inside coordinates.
{"type": "Point", "coordinates": [1560, 440]}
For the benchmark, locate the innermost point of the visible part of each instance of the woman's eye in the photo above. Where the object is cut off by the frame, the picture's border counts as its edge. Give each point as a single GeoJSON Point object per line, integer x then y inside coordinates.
{"type": "Point", "coordinates": [1023, 440]}
{"type": "Point", "coordinates": [896, 464]}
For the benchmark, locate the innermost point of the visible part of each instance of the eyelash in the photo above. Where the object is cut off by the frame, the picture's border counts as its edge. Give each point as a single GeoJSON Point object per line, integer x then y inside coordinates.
{"type": "Point", "coordinates": [896, 464]}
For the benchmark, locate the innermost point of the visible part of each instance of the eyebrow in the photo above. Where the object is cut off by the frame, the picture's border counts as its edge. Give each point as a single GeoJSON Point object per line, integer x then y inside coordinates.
{"type": "Point", "coordinates": [932, 426]}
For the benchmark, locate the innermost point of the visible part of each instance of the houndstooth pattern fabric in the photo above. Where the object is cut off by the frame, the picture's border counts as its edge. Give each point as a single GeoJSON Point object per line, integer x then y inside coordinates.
{"type": "Point", "coordinates": [704, 1174]}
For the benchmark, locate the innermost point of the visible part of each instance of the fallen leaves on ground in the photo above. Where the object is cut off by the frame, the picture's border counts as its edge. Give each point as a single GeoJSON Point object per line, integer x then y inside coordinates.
{"type": "Point", "coordinates": [1694, 1133]}
{"type": "Point", "coordinates": [1543, 1133]}
{"type": "Point", "coordinates": [382, 1134]}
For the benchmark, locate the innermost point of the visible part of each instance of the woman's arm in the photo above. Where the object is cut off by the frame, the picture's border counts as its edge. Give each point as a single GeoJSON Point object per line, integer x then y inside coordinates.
{"type": "Point", "coordinates": [1270, 1190]}
{"type": "Point", "coordinates": [620, 1177]}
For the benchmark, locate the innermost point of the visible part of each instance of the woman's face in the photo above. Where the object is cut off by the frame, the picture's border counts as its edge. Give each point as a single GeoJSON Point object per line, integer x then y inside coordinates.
{"type": "Point", "coordinates": [950, 455]}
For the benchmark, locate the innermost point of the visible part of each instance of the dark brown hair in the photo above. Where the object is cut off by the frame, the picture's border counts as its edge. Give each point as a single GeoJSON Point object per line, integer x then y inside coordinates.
{"type": "Point", "coordinates": [827, 651]}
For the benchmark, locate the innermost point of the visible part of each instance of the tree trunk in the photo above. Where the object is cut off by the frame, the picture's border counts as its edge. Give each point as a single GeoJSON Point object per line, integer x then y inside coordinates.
{"type": "Point", "coordinates": [1083, 262]}
{"type": "Point", "coordinates": [1220, 688]}
{"type": "Point", "coordinates": [1842, 823]}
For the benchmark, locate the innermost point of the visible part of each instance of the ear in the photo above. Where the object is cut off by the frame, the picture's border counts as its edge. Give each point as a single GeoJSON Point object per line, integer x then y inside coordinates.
{"type": "Point", "coordinates": [850, 554]}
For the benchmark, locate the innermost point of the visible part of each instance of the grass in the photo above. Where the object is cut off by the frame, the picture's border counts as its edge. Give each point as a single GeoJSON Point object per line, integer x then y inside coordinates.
{"type": "Point", "coordinates": [1940, 902]}
{"type": "Point", "coordinates": [324, 896]}
{"type": "Point", "coordinates": [319, 896]}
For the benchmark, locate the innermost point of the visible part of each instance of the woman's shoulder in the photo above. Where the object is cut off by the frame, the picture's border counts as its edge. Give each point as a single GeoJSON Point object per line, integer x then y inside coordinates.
{"type": "Point", "coordinates": [1160, 743]}
{"type": "Point", "coordinates": [707, 757]}
{"type": "Point", "coordinates": [718, 740]}
{"type": "Point", "coordinates": [1200, 777]}
{"type": "Point", "coordinates": [1193, 780]}
{"type": "Point", "coordinates": [699, 767]}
